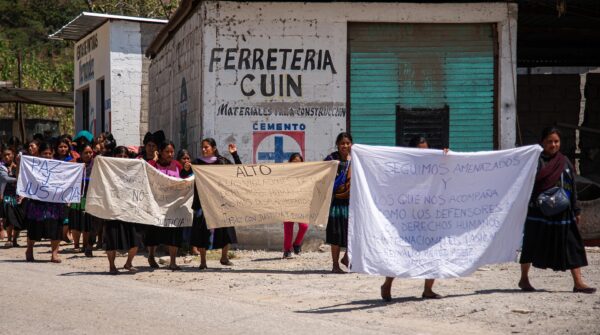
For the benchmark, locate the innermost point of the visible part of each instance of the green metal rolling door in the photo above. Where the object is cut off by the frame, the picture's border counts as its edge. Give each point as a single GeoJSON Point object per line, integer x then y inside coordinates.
{"type": "Point", "coordinates": [422, 66]}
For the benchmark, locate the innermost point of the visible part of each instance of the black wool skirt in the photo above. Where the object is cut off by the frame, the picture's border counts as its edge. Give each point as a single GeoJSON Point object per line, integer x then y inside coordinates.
{"type": "Point", "coordinates": [14, 215]}
{"type": "Point", "coordinates": [552, 242]}
{"type": "Point", "coordinates": [336, 232]}
{"type": "Point", "coordinates": [201, 235]}
{"type": "Point", "coordinates": [119, 235]}
{"type": "Point", "coordinates": [80, 220]}
{"type": "Point", "coordinates": [154, 236]}
{"type": "Point", "coordinates": [45, 229]}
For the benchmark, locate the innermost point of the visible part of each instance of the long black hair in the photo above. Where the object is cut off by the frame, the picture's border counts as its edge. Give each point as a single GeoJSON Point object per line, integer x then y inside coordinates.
{"type": "Point", "coordinates": [549, 131]}
{"type": "Point", "coordinates": [211, 141]}
{"type": "Point", "coordinates": [416, 140]}
{"type": "Point", "coordinates": [342, 136]}
{"type": "Point", "coordinates": [294, 155]}
{"type": "Point", "coordinates": [121, 150]}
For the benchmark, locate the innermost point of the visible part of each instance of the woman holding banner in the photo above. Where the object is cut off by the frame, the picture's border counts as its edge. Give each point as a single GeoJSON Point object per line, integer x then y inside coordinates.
{"type": "Point", "coordinates": [119, 235]}
{"type": "Point", "coordinates": [337, 223]}
{"type": "Point", "coordinates": [419, 142]}
{"type": "Point", "coordinates": [45, 218]}
{"type": "Point", "coordinates": [62, 152]}
{"type": "Point", "coordinates": [201, 236]}
{"type": "Point", "coordinates": [171, 237]}
{"type": "Point", "coordinates": [80, 222]}
{"type": "Point", "coordinates": [551, 238]}
{"type": "Point", "coordinates": [13, 214]}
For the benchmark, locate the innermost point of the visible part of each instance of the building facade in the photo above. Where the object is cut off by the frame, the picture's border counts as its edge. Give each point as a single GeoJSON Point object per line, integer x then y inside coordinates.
{"type": "Point", "coordinates": [111, 73]}
{"type": "Point", "coordinates": [278, 78]}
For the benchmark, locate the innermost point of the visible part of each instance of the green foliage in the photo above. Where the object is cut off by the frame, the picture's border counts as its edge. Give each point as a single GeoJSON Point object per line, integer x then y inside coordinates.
{"type": "Point", "coordinates": [48, 64]}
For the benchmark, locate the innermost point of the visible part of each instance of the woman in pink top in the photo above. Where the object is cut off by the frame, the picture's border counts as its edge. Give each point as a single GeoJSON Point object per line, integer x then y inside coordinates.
{"type": "Point", "coordinates": [172, 237]}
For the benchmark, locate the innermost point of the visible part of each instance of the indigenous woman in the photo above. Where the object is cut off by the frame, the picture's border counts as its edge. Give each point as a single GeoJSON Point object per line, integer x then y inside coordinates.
{"type": "Point", "coordinates": [119, 235]}
{"type": "Point", "coordinates": [336, 233]}
{"type": "Point", "coordinates": [45, 218]}
{"type": "Point", "coordinates": [171, 237]}
{"type": "Point", "coordinates": [288, 227]}
{"type": "Point", "coordinates": [13, 213]}
{"type": "Point", "coordinates": [62, 152]}
{"type": "Point", "coordinates": [80, 221]}
{"type": "Point", "coordinates": [386, 289]}
{"type": "Point", "coordinates": [201, 236]}
{"type": "Point", "coordinates": [185, 159]}
{"type": "Point", "coordinates": [33, 149]}
{"type": "Point", "coordinates": [553, 241]}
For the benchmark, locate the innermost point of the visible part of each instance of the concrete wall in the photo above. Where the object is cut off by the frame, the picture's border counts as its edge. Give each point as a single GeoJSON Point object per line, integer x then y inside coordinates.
{"type": "Point", "coordinates": [149, 32]}
{"type": "Point", "coordinates": [126, 81]}
{"type": "Point", "coordinates": [246, 44]}
{"type": "Point", "coordinates": [91, 65]}
{"type": "Point", "coordinates": [175, 87]}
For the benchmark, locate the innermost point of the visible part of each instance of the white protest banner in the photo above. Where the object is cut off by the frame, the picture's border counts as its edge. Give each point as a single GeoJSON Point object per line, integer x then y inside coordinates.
{"type": "Point", "coordinates": [50, 180]}
{"type": "Point", "coordinates": [418, 213]}
{"type": "Point", "coordinates": [245, 195]}
{"type": "Point", "coordinates": [131, 190]}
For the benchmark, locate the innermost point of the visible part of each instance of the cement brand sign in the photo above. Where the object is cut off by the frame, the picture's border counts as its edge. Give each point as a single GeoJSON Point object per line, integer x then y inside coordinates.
{"type": "Point", "coordinates": [272, 93]}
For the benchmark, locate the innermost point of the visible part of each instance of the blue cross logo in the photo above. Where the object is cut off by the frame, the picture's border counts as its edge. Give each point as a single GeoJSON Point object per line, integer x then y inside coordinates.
{"type": "Point", "coordinates": [278, 155]}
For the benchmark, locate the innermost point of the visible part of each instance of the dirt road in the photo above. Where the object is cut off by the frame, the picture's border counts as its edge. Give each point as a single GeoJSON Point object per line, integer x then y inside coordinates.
{"type": "Point", "coordinates": [263, 294]}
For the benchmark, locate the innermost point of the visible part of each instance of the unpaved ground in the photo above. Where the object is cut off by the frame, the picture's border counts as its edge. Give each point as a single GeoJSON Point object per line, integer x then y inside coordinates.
{"type": "Point", "coordinates": [262, 293]}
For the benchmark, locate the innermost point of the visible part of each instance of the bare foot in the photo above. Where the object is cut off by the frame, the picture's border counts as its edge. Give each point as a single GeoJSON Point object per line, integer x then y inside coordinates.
{"type": "Point", "coordinates": [152, 263]}
{"type": "Point", "coordinates": [386, 293]}
{"type": "Point", "coordinates": [337, 269]}
{"type": "Point", "coordinates": [525, 286]}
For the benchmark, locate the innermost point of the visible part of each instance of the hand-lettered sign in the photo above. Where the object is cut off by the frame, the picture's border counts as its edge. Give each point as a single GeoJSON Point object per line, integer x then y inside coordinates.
{"type": "Point", "coordinates": [50, 180]}
{"type": "Point", "coordinates": [131, 190]}
{"type": "Point", "coordinates": [419, 213]}
{"type": "Point", "coordinates": [245, 195]}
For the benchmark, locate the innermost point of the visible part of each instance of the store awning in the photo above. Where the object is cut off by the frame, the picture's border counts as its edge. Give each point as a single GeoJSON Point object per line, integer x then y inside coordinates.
{"type": "Point", "coordinates": [36, 97]}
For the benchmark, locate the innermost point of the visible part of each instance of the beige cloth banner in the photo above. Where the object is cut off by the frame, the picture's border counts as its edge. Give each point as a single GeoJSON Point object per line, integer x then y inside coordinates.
{"type": "Point", "coordinates": [245, 195]}
{"type": "Point", "coordinates": [132, 190]}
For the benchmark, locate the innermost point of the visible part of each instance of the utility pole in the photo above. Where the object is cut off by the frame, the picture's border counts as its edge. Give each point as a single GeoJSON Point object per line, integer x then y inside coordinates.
{"type": "Point", "coordinates": [19, 111]}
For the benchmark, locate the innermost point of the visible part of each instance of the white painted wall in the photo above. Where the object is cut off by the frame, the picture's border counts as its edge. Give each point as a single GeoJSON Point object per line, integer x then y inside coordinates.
{"type": "Point", "coordinates": [101, 69]}
{"type": "Point", "coordinates": [321, 26]}
{"type": "Point", "coordinates": [126, 81]}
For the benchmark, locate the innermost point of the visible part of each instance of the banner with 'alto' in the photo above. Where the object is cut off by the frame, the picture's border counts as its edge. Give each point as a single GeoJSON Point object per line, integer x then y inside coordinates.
{"type": "Point", "coordinates": [50, 180]}
{"type": "Point", "coordinates": [245, 195]}
{"type": "Point", "coordinates": [419, 213]}
{"type": "Point", "coordinates": [131, 190]}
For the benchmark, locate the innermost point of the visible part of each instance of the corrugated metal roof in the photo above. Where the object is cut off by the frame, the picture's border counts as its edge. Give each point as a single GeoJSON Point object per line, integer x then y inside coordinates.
{"type": "Point", "coordinates": [87, 22]}
{"type": "Point", "coordinates": [36, 97]}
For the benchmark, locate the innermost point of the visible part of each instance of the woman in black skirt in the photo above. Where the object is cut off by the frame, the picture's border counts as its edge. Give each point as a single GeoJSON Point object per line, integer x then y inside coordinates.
{"type": "Point", "coordinates": [172, 237]}
{"type": "Point", "coordinates": [553, 241]}
{"type": "Point", "coordinates": [11, 206]}
{"type": "Point", "coordinates": [119, 235]}
{"type": "Point", "coordinates": [222, 237]}
{"type": "Point", "coordinates": [336, 233]}
{"type": "Point", "coordinates": [45, 218]}
{"type": "Point", "coordinates": [80, 222]}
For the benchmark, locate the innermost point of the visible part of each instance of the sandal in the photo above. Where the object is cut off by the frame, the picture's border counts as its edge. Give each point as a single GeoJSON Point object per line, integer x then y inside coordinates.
{"type": "Point", "coordinates": [226, 263]}
{"type": "Point", "coordinates": [132, 269]}
{"type": "Point", "coordinates": [113, 272]}
{"type": "Point", "coordinates": [174, 268]}
{"type": "Point", "coordinates": [202, 267]}
{"type": "Point", "coordinates": [58, 260]}
{"type": "Point", "coordinates": [434, 296]}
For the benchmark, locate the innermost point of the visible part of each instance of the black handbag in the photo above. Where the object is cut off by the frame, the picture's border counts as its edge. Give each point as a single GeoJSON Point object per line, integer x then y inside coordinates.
{"type": "Point", "coordinates": [554, 200]}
